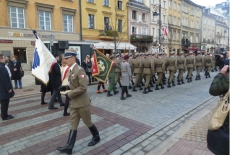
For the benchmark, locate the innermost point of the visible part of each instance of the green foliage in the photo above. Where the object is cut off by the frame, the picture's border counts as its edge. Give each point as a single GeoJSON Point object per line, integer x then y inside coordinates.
{"type": "Point", "coordinates": [112, 33]}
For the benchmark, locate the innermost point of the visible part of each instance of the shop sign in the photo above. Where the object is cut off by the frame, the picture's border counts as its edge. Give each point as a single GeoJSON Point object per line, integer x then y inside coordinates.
{"type": "Point", "coordinates": [19, 34]}
{"type": "Point", "coordinates": [6, 41]}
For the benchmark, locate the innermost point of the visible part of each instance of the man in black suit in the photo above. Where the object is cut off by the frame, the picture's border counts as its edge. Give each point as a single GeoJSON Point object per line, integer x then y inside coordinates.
{"type": "Point", "coordinates": [6, 90]}
{"type": "Point", "coordinates": [55, 79]}
{"type": "Point", "coordinates": [10, 64]}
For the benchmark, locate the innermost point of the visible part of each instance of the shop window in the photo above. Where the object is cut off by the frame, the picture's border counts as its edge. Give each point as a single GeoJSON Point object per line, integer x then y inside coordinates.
{"type": "Point", "coordinates": [21, 53]}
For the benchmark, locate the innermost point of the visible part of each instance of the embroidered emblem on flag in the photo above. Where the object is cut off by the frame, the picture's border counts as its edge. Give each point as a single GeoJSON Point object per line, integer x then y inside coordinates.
{"type": "Point", "coordinates": [82, 76]}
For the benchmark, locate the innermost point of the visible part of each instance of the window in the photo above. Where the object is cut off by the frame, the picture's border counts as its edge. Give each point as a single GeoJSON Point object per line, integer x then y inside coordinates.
{"type": "Point", "coordinates": [144, 31]}
{"type": "Point", "coordinates": [192, 12]}
{"type": "Point", "coordinates": [198, 25]}
{"type": "Point", "coordinates": [191, 37]}
{"type": "Point", "coordinates": [174, 35]}
{"type": "Point", "coordinates": [179, 7]}
{"type": "Point", "coordinates": [164, 4]}
{"type": "Point", "coordinates": [106, 2]}
{"type": "Point", "coordinates": [21, 53]}
{"type": "Point", "coordinates": [106, 23]}
{"type": "Point", "coordinates": [170, 19]}
{"type": "Point", "coordinates": [170, 3]}
{"type": "Point", "coordinates": [174, 5]}
{"type": "Point", "coordinates": [143, 17]}
{"type": "Point", "coordinates": [119, 25]}
{"type": "Point", "coordinates": [164, 18]}
{"type": "Point", "coordinates": [197, 38]}
{"type": "Point", "coordinates": [174, 21]}
{"type": "Point", "coordinates": [134, 14]}
{"type": "Point", "coordinates": [152, 1]}
{"type": "Point", "coordinates": [178, 21]}
{"type": "Point", "coordinates": [153, 32]}
{"type": "Point", "coordinates": [191, 24]}
{"type": "Point", "coordinates": [90, 1]}
{"type": "Point", "coordinates": [44, 20]}
{"type": "Point", "coordinates": [91, 21]}
{"type": "Point", "coordinates": [68, 23]}
{"type": "Point", "coordinates": [134, 30]}
{"type": "Point", "coordinates": [119, 5]}
{"type": "Point", "coordinates": [17, 17]}
{"type": "Point", "coordinates": [179, 35]}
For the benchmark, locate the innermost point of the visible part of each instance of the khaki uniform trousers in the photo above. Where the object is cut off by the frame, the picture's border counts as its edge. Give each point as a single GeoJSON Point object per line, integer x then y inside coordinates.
{"type": "Point", "coordinates": [171, 75]}
{"type": "Point", "coordinates": [208, 68]}
{"type": "Point", "coordinates": [147, 78]}
{"type": "Point", "coordinates": [80, 113]}
{"type": "Point", "coordinates": [190, 72]}
{"type": "Point", "coordinates": [159, 79]}
{"type": "Point", "coordinates": [118, 76]}
{"type": "Point", "coordinates": [181, 72]}
{"type": "Point", "coordinates": [137, 80]}
{"type": "Point", "coordinates": [198, 68]}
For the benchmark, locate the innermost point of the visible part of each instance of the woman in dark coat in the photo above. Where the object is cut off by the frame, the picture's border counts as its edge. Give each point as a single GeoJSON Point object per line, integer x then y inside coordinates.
{"type": "Point", "coordinates": [87, 66]}
{"type": "Point", "coordinates": [218, 140]}
{"type": "Point", "coordinates": [16, 75]}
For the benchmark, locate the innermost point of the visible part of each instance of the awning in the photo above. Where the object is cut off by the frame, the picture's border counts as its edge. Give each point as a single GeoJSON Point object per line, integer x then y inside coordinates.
{"type": "Point", "coordinates": [110, 45]}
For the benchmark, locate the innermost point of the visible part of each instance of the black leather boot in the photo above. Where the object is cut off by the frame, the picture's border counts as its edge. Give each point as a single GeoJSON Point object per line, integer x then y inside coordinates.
{"type": "Point", "coordinates": [162, 86]}
{"type": "Point", "coordinates": [128, 95]}
{"type": "Point", "coordinates": [173, 84]}
{"type": "Point", "coordinates": [182, 82]}
{"type": "Point", "coordinates": [169, 85]}
{"type": "Point", "coordinates": [150, 90]}
{"type": "Point", "coordinates": [178, 83]}
{"type": "Point", "coordinates": [145, 91]}
{"type": "Point", "coordinates": [108, 94]}
{"type": "Point", "coordinates": [134, 89]}
{"type": "Point", "coordinates": [141, 88]}
{"type": "Point", "coordinates": [191, 79]}
{"type": "Point", "coordinates": [122, 97]}
{"type": "Point", "coordinates": [115, 92]}
{"type": "Point", "coordinates": [188, 80]}
{"type": "Point", "coordinates": [95, 133]}
{"type": "Point", "coordinates": [70, 143]}
{"type": "Point", "coordinates": [156, 87]}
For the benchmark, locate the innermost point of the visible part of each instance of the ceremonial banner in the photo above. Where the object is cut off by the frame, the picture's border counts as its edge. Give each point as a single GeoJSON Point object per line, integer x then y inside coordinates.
{"type": "Point", "coordinates": [42, 62]}
{"type": "Point", "coordinates": [95, 70]}
{"type": "Point", "coordinates": [104, 65]}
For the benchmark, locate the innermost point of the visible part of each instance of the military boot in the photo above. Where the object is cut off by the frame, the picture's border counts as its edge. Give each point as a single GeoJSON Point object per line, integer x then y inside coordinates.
{"type": "Point", "coordinates": [145, 91]}
{"type": "Point", "coordinates": [182, 82]}
{"type": "Point", "coordinates": [162, 86]}
{"type": "Point", "coordinates": [169, 86]}
{"type": "Point", "coordinates": [178, 83]}
{"type": "Point", "coordinates": [173, 84]}
{"type": "Point", "coordinates": [96, 137]}
{"type": "Point", "coordinates": [70, 143]}
{"type": "Point", "coordinates": [128, 95]}
{"type": "Point", "coordinates": [141, 88]}
{"type": "Point", "coordinates": [122, 97]}
{"type": "Point", "coordinates": [150, 90]}
{"type": "Point", "coordinates": [108, 94]}
{"type": "Point", "coordinates": [188, 80]}
{"type": "Point", "coordinates": [157, 88]}
{"type": "Point", "coordinates": [134, 89]}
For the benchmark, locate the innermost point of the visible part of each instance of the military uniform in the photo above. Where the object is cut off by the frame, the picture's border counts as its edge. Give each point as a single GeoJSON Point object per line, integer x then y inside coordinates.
{"type": "Point", "coordinates": [190, 65]}
{"type": "Point", "coordinates": [159, 69]}
{"type": "Point", "coordinates": [208, 64]}
{"type": "Point", "coordinates": [198, 64]}
{"type": "Point", "coordinates": [181, 65]}
{"type": "Point", "coordinates": [136, 64]}
{"type": "Point", "coordinates": [172, 66]}
{"type": "Point", "coordinates": [213, 63]}
{"type": "Point", "coordinates": [118, 71]}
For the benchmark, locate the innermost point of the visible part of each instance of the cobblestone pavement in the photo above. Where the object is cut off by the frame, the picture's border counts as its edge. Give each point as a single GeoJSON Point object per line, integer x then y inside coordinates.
{"type": "Point", "coordinates": [124, 125]}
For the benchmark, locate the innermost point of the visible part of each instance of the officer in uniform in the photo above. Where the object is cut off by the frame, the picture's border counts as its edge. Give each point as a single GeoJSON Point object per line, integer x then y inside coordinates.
{"type": "Point", "coordinates": [136, 63]}
{"type": "Point", "coordinates": [80, 102]}
{"type": "Point", "coordinates": [190, 61]}
{"type": "Point", "coordinates": [208, 64]}
{"type": "Point", "coordinates": [198, 64]}
{"type": "Point", "coordinates": [148, 70]}
{"type": "Point", "coordinates": [118, 70]}
{"type": "Point", "coordinates": [181, 65]}
{"type": "Point", "coordinates": [111, 76]}
{"type": "Point", "coordinates": [213, 62]}
{"type": "Point", "coordinates": [159, 69]}
{"type": "Point", "coordinates": [171, 64]}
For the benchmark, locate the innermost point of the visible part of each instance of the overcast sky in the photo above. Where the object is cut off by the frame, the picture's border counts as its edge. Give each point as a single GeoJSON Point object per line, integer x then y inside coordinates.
{"type": "Point", "coordinates": [208, 2]}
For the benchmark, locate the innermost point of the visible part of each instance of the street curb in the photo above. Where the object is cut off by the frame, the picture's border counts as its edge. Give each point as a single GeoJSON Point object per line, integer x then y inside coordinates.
{"type": "Point", "coordinates": [170, 121]}
{"type": "Point", "coordinates": [175, 137]}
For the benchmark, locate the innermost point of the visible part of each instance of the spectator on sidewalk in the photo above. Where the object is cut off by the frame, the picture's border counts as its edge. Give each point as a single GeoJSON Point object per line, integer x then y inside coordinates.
{"type": "Point", "coordinates": [6, 90]}
{"type": "Point", "coordinates": [218, 140]}
{"type": "Point", "coordinates": [10, 64]}
{"type": "Point", "coordinates": [16, 75]}
{"type": "Point", "coordinates": [87, 66]}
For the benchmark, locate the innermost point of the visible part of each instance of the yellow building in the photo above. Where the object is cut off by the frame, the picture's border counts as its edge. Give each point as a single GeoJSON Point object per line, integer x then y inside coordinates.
{"type": "Point", "coordinates": [105, 22]}
{"type": "Point", "coordinates": [191, 25]}
{"type": "Point", "coordinates": [174, 25]}
{"type": "Point", "coordinates": [54, 20]}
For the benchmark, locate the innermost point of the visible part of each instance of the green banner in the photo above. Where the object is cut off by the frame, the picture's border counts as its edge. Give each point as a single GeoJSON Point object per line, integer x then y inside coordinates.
{"type": "Point", "coordinates": [104, 66]}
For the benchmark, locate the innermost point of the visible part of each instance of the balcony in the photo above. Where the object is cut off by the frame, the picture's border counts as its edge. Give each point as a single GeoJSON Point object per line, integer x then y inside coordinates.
{"type": "Point", "coordinates": [141, 38]}
{"type": "Point", "coordinates": [108, 34]}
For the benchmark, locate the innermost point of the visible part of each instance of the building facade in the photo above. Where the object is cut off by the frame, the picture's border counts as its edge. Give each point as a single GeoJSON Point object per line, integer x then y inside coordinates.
{"type": "Point", "coordinates": [208, 31]}
{"type": "Point", "coordinates": [139, 25]}
{"type": "Point", "coordinates": [56, 21]}
{"type": "Point", "coordinates": [191, 26]}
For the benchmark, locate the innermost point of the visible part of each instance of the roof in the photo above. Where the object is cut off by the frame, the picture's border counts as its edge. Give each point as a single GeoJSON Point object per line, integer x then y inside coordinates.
{"type": "Point", "coordinates": [138, 5]}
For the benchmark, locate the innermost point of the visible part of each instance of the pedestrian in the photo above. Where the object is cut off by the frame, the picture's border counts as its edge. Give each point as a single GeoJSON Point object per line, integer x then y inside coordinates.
{"type": "Point", "coordinates": [112, 78]}
{"type": "Point", "coordinates": [126, 76]}
{"type": "Point", "coordinates": [16, 76]}
{"type": "Point", "coordinates": [218, 140]}
{"type": "Point", "coordinates": [87, 66]}
{"type": "Point", "coordinates": [10, 64]}
{"type": "Point", "coordinates": [6, 90]}
{"type": "Point", "coordinates": [80, 103]}
{"type": "Point", "coordinates": [56, 81]}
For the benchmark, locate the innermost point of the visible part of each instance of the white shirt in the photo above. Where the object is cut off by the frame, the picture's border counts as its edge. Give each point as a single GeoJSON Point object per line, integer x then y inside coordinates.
{"type": "Point", "coordinates": [7, 68]}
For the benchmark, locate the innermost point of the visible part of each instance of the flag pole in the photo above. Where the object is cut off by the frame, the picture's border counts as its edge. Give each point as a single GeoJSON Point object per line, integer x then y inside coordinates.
{"type": "Point", "coordinates": [35, 33]}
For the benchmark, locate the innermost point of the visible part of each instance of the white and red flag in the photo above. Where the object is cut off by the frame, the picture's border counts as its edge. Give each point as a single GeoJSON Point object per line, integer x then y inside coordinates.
{"type": "Point", "coordinates": [165, 30]}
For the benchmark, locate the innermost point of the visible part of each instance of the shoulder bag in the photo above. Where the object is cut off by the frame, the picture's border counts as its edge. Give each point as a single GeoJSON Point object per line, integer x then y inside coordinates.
{"type": "Point", "coordinates": [21, 72]}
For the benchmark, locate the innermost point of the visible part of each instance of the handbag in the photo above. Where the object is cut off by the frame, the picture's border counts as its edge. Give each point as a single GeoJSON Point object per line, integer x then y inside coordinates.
{"type": "Point", "coordinates": [220, 113]}
{"type": "Point", "coordinates": [21, 72]}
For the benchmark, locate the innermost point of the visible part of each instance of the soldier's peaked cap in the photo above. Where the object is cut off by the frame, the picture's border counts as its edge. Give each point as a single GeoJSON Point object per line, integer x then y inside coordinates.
{"type": "Point", "coordinates": [70, 54]}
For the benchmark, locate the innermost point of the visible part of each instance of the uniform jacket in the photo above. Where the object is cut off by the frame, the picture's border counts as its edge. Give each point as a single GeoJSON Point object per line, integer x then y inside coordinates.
{"type": "Point", "coordinates": [130, 61]}
{"type": "Point", "coordinates": [113, 69]}
{"type": "Point", "coordinates": [159, 65]}
{"type": "Point", "coordinates": [181, 63]}
{"type": "Point", "coordinates": [199, 61]}
{"type": "Point", "coordinates": [190, 61]}
{"type": "Point", "coordinates": [118, 62]}
{"type": "Point", "coordinates": [55, 76]}
{"type": "Point", "coordinates": [172, 63]}
{"type": "Point", "coordinates": [16, 75]}
{"type": "Point", "coordinates": [78, 87]}
{"type": "Point", "coordinates": [5, 84]}
{"type": "Point", "coordinates": [147, 66]}
{"type": "Point", "coordinates": [125, 73]}
{"type": "Point", "coordinates": [136, 65]}
{"type": "Point", "coordinates": [207, 61]}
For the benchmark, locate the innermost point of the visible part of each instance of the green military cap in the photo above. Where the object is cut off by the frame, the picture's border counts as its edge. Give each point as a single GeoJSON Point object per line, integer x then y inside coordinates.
{"type": "Point", "coordinates": [111, 57]}
{"type": "Point", "coordinates": [161, 53]}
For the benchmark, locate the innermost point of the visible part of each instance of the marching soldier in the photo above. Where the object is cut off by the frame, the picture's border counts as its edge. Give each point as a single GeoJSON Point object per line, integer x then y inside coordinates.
{"type": "Point", "coordinates": [181, 65]}
{"type": "Point", "coordinates": [136, 63]}
{"type": "Point", "coordinates": [159, 69]}
{"type": "Point", "coordinates": [208, 64]}
{"type": "Point", "coordinates": [213, 62]}
{"type": "Point", "coordinates": [171, 64]}
{"type": "Point", "coordinates": [190, 65]}
{"type": "Point", "coordinates": [148, 69]}
{"type": "Point", "coordinates": [80, 103]}
{"type": "Point", "coordinates": [130, 63]}
{"type": "Point", "coordinates": [118, 70]}
{"type": "Point", "coordinates": [198, 64]}
{"type": "Point", "coordinates": [165, 57]}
